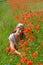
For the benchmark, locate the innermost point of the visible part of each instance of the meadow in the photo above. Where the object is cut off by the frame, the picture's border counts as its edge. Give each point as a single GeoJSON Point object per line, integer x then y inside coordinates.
{"type": "Point", "coordinates": [30, 13]}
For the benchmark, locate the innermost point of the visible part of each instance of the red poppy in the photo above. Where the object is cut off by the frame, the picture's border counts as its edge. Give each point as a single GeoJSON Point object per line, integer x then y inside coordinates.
{"type": "Point", "coordinates": [24, 18]}
{"type": "Point", "coordinates": [8, 49]}
{"type": "Point", "coordinates": [37, 13]}
{"type": "Point", "coordinates": [31, 22]}
{"type": "Point", "coordinates": [20, 21]}
{"type": "Point", "coordinates": [42, 19]}
{"type": "Point", "coordinates": [21, 46]}
{"type": "Point", "coordinates": [32, 38]}
{"type": "Point", "coordinates": [24, 60]}
{"type": "Point", "coordinates": [35, 54]}
{"type": "Point", "coordinates": [40, 63]}
{"type": "Point", "coordinates": [25, 43]}
{"type": "Point", "coordinates": [30, 62]}
{"type": "Point", "coordinates": [25, 22]}
{"type": "Point", "coordinates": [38, 27]}
{"type": "Point", "coordinates": [16, 17]}
{"type": "Point", "coordinates": [12, 51]}
{"type": "Point", "coordinates": [29, 15]}
{"type": "Point", "coordinates": [28, 30]}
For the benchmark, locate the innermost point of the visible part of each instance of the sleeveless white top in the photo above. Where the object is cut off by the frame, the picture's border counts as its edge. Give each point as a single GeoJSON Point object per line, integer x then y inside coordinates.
{"type": "Point", "coordinates": [13, 38]}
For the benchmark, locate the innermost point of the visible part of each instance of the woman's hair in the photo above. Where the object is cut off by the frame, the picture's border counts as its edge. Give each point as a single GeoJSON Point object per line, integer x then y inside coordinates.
{"type": "Point", "coordinates": [22, 36]}
{"type": "Point", "coordinates": [14, 31]}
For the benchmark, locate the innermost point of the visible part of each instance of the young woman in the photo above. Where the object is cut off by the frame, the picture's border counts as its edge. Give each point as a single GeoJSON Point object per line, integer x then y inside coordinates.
{"type": "Point", "coordinates": [16, 36]}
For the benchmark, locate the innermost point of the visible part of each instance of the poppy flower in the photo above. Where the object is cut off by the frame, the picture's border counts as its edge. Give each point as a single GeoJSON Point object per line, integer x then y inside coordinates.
{"type": "Point", "coordinates": [30, 62]}
{"type": "Point", "coordinates": [21, 46]}
{"type": "Point", "coordinates": [28, 30]}
{"type": "Point", "coordinates": [40, 63]}
{"type": "Point", "coordinates": [24, 60]}
{"type": "Point", "coordinates": [31, 38]}
{"type": "Point", "coordinates": [25, 43]}
{"type": "Point", "coordinates": [16, 17]}
{"type": "Point", "coordinates": [38, 27]}
{"type": "Point", "coordinates": [24, 18]}
{"type": "Point", "coordinates": [37, 13]}
{"type": "Point", "coordinates": [25, 22]}
{"type": "Point", "coordinates": [31, 22]}
{"type": "Point", "coordinates": [29, 15]}
{"type": "Point", "coordinates": [42, 19]}
{"type": "Point", "coordinates": [35, 54]}
{"type": "Point", "coordinates": [12, 51]}
{"type": "Point", "coordinates": [8, 49]}
{"type": "Point", "coordinates": [20, 21]}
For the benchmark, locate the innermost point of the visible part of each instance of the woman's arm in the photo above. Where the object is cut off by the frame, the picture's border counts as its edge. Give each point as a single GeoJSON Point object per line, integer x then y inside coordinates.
{"type": "Point", "coordinates": [13, 47]}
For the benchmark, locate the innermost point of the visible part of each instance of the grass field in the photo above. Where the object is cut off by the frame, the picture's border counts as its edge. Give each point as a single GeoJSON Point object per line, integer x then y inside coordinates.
{"type": "Point", "coordinates": [10, 14]}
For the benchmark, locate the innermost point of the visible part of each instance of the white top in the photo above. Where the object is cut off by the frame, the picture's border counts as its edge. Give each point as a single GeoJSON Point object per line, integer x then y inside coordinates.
{"type": "Point", "coordinates": [13, 38]}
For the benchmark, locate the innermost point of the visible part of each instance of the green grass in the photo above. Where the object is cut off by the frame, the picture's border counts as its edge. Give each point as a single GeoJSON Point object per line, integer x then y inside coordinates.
{"type": "Point", "coordinates": [8, 23]}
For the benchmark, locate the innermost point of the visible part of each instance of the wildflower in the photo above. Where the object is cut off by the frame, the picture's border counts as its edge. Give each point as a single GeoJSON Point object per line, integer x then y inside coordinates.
{"type": "Point", "coordinates": [30, 62]}
{"type": "Point", "coordinates": [20, 21]}
{"type": "Point", "coordinates": [31, 22]}
{"type": "Point", "coordinates": [40, 63]}
{"type": "Point", "coordinates": [21, 46]}
{"type": "Point", "coordinates": [24, 18]}
{"type": "Point", "coordinates": [8, 49]}
{"type": "Point", "coordinates": [35, 54]}
{"type": "Point", "coordinates": [16, 17]}
{"type": "Point", "coordinates": [24, 60]}
{"type": "Point", "coordinates": [25, 43]}
{"type": "Point", "coordinates": [12, 51]}
{"type": "Point", "coordinates": [38, 27]}
{"type": "Point", "coordinates": [28, 30]}
{"type": "Point", "coordinates": [32, 38]}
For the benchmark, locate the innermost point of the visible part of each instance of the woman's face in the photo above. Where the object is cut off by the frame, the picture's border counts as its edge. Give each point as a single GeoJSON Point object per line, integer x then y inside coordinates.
{"type": "Point", "coordinates": [19, 31]}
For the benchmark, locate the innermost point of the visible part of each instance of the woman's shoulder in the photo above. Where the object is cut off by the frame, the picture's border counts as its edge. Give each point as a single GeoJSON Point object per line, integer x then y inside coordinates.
{"type": "Point", "coordinates": [11, 36]}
